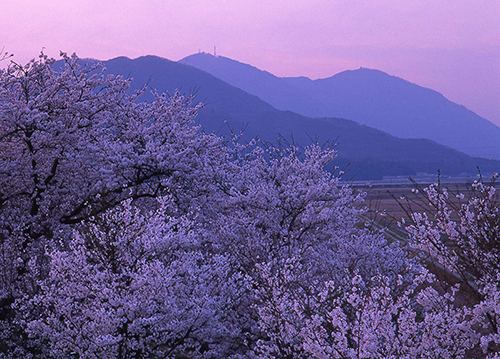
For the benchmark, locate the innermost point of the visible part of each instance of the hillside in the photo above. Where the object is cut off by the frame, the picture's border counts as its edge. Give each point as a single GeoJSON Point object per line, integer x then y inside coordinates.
{"type": "Point", "coordinates": [370, 97]}
{"type": "Point", "coordinates": [371, 153]}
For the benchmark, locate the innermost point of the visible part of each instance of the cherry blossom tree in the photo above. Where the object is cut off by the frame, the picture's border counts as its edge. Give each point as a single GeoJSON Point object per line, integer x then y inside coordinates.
{"type": "Point", "coordinates": [74, 142]}
{"type": "Point", "coordinates": [461, 232]}
{"type": "Point", "coordinates": [291, 228]}
{"type": "Point", "coordinates": [134, 285]}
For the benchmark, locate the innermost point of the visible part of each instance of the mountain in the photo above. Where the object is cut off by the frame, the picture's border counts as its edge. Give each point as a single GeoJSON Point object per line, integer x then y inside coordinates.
{"type": "Point", "coordinates": [370, 97]}
{"type": "Point", "coordinates": [370, 153]}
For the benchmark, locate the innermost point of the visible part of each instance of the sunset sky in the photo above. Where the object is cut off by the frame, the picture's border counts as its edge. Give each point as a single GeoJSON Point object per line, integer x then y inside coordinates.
{"type": "Point", "coordinates": [452, 46]}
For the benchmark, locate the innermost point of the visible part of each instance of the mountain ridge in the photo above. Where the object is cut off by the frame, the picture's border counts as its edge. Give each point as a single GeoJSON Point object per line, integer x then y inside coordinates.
{"type": "Point", "coordinates": [367, 96]}
{"type": "Point", "coordinates": [371, 153]}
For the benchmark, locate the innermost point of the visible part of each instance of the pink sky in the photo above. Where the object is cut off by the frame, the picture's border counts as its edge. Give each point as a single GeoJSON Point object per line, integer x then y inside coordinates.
{"type": "Point", "coordinates": [452, 46]}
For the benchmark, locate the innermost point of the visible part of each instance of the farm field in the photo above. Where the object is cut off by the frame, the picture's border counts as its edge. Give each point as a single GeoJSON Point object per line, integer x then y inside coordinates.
{"type": "Point", "coordinates": [386, 197]}
{"type": "Point", "coordinates": [384, 202]}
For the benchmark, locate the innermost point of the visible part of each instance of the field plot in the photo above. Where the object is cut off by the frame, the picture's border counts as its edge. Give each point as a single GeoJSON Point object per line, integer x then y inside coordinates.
{"type": "Point", "coordinates": [389, 203]}
{"type": "Point", "coordinates": [397, 200]}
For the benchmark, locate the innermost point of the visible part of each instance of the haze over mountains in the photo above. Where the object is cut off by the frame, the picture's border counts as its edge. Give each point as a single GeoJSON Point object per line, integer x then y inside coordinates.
{"type": "Point", "coordinates": [370, 97]}
{"type": "Point", "coordinates": [370, 153]}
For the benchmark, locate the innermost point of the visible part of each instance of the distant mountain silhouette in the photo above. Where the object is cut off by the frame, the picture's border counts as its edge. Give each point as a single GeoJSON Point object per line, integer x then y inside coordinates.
{"type": "Point", "coordinates": [370, 97]}
{"type": "Point", "coordinates": [370, 153]}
